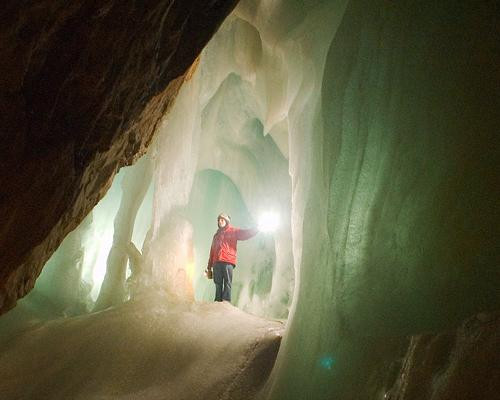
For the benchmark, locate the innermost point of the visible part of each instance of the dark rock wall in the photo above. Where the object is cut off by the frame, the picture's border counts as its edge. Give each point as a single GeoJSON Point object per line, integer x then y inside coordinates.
{"type": "Point", "coordinates": [455, 364]}
{"type": "Point", "coordinates": [461, 365]}
{"type": "Point", "coordinates": [83, 85]}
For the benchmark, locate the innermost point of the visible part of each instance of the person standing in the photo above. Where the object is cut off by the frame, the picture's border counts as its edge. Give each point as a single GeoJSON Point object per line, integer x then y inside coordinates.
{"type": "Point", "coordinates": [222, 259]}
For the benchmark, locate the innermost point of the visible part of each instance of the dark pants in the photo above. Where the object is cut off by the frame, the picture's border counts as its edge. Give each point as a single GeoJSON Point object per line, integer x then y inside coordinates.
{"type": "Point", "coordinates": [223, 276]}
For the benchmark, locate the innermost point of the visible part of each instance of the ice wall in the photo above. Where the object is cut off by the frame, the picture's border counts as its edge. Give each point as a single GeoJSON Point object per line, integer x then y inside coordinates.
{"type": "Point", "coordinates": [393, 183]}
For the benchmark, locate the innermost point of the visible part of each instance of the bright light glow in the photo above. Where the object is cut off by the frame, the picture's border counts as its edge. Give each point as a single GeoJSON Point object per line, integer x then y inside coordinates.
{"type": "Point", "coordinates": [268, 221]}
{"type": "Point", "coordinates": [190, 271]}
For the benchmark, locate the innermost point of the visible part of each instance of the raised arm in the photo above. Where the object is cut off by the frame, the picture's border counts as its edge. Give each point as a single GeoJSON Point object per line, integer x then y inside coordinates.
{"type": "Point", "coordinates": [244, 234]}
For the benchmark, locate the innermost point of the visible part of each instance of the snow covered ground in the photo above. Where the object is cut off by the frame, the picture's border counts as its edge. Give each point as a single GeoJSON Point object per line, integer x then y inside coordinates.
{"type": "Point", "coordinates": [146, 349]}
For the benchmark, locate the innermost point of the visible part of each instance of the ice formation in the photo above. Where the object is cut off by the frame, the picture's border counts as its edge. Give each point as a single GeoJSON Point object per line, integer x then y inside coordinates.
{"type": "Point", "coordinates": [345, 118]}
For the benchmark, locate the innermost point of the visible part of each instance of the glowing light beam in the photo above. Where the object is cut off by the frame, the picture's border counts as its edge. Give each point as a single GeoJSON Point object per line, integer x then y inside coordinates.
{"type": "Point", "coordinates": [268, 221]}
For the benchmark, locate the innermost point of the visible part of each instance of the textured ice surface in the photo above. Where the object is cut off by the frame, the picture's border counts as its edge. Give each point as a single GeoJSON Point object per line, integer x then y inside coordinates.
{"type": "Point", "coordinates": [149, 349]}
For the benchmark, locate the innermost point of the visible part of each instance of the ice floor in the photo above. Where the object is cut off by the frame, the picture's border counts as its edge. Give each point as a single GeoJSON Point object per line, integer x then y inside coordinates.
{"type": "Point", "coordinates": [147, 349]}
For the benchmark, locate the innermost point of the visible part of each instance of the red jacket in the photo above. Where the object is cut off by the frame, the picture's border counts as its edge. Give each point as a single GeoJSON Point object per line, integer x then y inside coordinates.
{"type": "Point", "coordinates": [224, 244]}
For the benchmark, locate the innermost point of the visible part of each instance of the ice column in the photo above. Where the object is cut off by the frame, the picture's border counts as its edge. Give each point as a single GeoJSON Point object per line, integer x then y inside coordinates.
{"type": "Point", "coordinates": [168, 249]}
{"type": "Point", "coordinates": [134, 185]}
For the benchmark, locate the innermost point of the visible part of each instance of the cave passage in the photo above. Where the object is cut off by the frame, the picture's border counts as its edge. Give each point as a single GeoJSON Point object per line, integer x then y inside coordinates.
{"type": "Point", "coordinates": [370, 128]}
